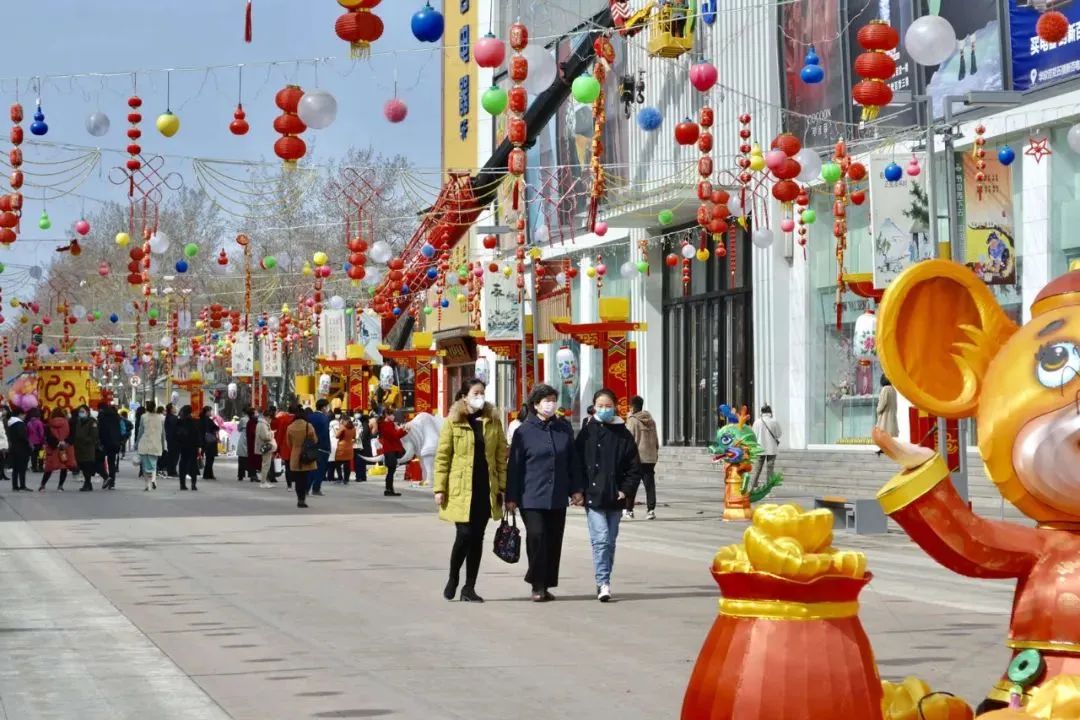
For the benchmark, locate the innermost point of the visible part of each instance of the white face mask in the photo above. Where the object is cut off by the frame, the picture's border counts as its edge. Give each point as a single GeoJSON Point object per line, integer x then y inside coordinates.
{"type": "Point", "coordinates": [476, 402]}
{"type": "Point", "coordinates": [546, 408]}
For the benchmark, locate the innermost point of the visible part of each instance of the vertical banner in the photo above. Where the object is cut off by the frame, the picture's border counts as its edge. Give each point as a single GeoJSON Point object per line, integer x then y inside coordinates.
{"type": "Point", "coordinates": [460, 89]}
{"type": "Point", "coordinates": [989, 242]}
{"type": "Point", "coordinates": [332, 334]}
{"type": "Point", "coordinates": [270, 358]}
{"type": "Point", "coordinates": [426, 387]}
{"type": "Point", "coordinates": [899, 221]}
{"type": "Point", "coordinates": [371, 336]}
{"type": "Point", "coordinates": [243, 355]}
{"type": "Point", "coordinates": [502, 309]}
{"type": "Point", "coordinates": [1036, 62]}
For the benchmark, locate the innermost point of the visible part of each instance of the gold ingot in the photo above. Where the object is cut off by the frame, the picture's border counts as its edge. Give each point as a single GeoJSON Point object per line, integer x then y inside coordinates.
{"type": "Point", "coordinates": [732, 559]}
{"type": "Point", "coordinates": [812, 529]}
{"type": "Point", "coordinates": [783, 557]}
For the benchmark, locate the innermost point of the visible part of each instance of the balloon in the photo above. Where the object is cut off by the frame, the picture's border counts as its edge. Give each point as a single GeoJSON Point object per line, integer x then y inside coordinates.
{"type": "Point", "coordinates": [317, 109]}
{"type": "Point", "coordinates": [427, 24]}
{"type": "Point", "coordinates": [775, 158]}
{"type": "Point", "coordinates": [600, 228]}
{"type": "Point", "coordinates": [1006, 155]}
{"type": "Point", "coordinates": [586, 89]}
{"type": "Point", "coordinates": [542, 69]}
{"type": "Point", "coordinates": [122, 239]}
{"type": "Point", "coordinates": [688, 251]}
{"type": "Point", "coordinates": [82, 227]}
{"type": "Point", "coordinates": [114, 318]}
{"type": "Point", "coordinates": [930, 40]}
{"type": "Point", "coordinates": [494, 100]}
{"type": "Point", "coordinates": [395, 110]}
{"type": "Point", "coordinates": [809, 215]}
{"type": "Point", "coordinates": [159, 243]}
{"type": "Point", "coordinates": [337, 302]}
{"type": "Point", "coordinates": [810, 162]}
{"type": "Point", "coordinates": [1073, 138]}
{"type": "Point", "coordinates": [269, 262]}
{"type": "Point", "coordinates": [642, 266]}
{"type": "Point", "coordinates": [191, 250]}
{"type": "Point", "coordinates": [97, 124]}
{"type": "Point", "coordinates": [78, 311]}
{"type": "Point", "coordinates": [541, 235]}
{"type": "Point", "coordinates": [763, 237]}
{"type": "Point", "coordinates": [380, 251]}
{"type": "Point", "coordinates": [831, 172]}
{"type": "Point", "coordinates": [628, 269]}
{"type": "Point", "coordinates": [168, 124]}
{"type": "Point", "coordinates": [181, 266]}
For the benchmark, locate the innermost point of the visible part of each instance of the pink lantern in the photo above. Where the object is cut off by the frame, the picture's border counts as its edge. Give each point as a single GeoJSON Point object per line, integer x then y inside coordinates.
{"type": "Point", "coordinates": [787, 225]}
{"type": "Point", "coordinates": [913, 168]}
{"type": "Point", "coordinates": [703, 76]}
{"type": "Point", "coordinates": [103, 269]}
{"type": "Point", "coordinates": [395, 110]}
{"type": "Point", "coordinates": [489, 51]}
{"type": "Point", "coordinates": [600, 229]}
{"type": "Point", "coordinates": [82, 227]}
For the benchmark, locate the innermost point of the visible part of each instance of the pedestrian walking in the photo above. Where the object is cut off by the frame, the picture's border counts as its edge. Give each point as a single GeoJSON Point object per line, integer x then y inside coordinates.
{"type": "Point", "coordinates": [886, 410]}
{"type": "Point", "coordinates": [172, 447]}
{"type": "Point", "coordinates": [768, 432]}
{"type": "Point", "coordinates": [151, 444]}
{"type": "Point", "coordinates": [35, 433]}
{"type": "Point", "coordinates": [362, 445]}
{"type": "Point", "coordinates": [320, 420]}
{"type": "Point", "coordinates": [5, 459]}
{"type": "Point", "coordinates": [523, 412]}
{"type": "Point", "coordinates": [280, 425]}
{"type": "Point", "coordinates": [110, 440]}
{"type": "Point", "coordinates": [265, 447]}
{"type": "Point", "coordinates": [84, 437]}
{"type": "Point", "coordinates": [18, 449]}
{"type": "Point", "coordinates": [470, 482]}
{"type": "Point", "coordinates": [343, 455]}
{"type": "Point", "coordinates": [543, 474]}
{"type": "Point", "coordinates": [643, 427]}
{"type": "Point", "coordinates": [59, 455]}
{"type": "Point", "coordinates": [126, 429]}
{"type": "Point", "coordinates": [298, 470]}
{"type": "Point", "coordinates": [209, 433]}
{"type": "Point", "coordinates": [390, 435]}
{"type": "Point", "coordinates": [139, 412]}
{"type": "Point", "coordinates": [189, 441]}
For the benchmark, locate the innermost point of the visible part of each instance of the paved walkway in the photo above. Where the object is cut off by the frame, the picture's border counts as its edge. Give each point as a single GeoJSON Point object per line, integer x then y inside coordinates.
{"type": "Point", "coordinates": [231, 603]}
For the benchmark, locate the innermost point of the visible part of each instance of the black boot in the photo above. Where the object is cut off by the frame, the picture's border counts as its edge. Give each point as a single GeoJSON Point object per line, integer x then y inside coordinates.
{"type": "Point", "coordinates": [468, 594]}
{"type": "Point", "coordinates": [183, 485]}
{"type": "Point", "coordinates": [451, 588]}
{"type": "Point", "coordinates": [87, 486]}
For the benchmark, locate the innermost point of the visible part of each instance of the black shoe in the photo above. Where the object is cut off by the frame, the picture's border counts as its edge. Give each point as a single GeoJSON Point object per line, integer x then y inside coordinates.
{"type": "Point", "coordinates": [391, 493]}
{"type": "Point", "coordinates": [86, 488]}
{"type": "Point", "coordinates": [194, 487]}
{"type": "Point", "coordinates": [451, 588]}
{"type": "Point", "coordinates": [289, 486]}
{"type": "Point", "coordinates": [183, 487]}
{"type": "Point", "coordinates": [548, 597]}
{"type": "Point", "coordinates": [469, 595]}
{"type": "Point", "coordinates": [317, 492]}
{"type": "Point", "coordinates": [301, 505]}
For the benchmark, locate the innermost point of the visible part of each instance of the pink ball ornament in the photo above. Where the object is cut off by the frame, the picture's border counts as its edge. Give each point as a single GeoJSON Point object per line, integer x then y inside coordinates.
{"type": "Point", "coordinates": [703, 76]}
{"type": "Point", "coordinates": [46, 320]}
{"type": "Point", "coordinates": [913, 168]}
{"type": "Point", "coordinates": [82, 227]}
{"type": "Point", "coordinates": [489, 51]}
{"type": "Point", "coordinates": [103, 269]}
{"type": "Point", "coordinates": [478, 271]}
{"type": "Point", "coordinates": [787, 225]}
{"type": "Point", "coordinates": [600, 229]}
{"type": "Point", "coordinates": [395, 110]}
{"type": "Point", "coordinates": [774, 159]}
{"type": "Point", "coordinates": [601, 269]}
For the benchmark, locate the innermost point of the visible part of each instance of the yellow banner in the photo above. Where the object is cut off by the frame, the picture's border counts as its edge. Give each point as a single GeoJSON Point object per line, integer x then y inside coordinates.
{"type": "Point", "coordinates": [461, 96]}
{"type": "Point", "coordinates": [65, 386]}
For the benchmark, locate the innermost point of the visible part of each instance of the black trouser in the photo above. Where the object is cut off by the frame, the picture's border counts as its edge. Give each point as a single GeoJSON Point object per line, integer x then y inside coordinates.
{"type": "Point", "coordinates": [468, 549]}
{"type": "Point", "coordinates": [19, 463]}
{"type": "Point", "coordinates": [188, 467]}
{"type": "Point", "coordinates": [36, 464]}
{"type": "Point", "coordinates": [48, 474]}
{"type": "Point", "coordinates": [209, 453]}
{"type": "Point", "coordinates": [242, 469]}
{"type": "Point", "coordinates": [543, 543]}
{"type": "Point", "coordinates": [648, 477]}
{"type": "Point", "coordinates": [299, 480]}
{"type": "Point", "coordinates": [87, 469]}
{"type": "Point", "coordinates": [112, 457]}
{"type": "Point", "coordinates": [360, 465]}
{"type": "Point", "coordinates": [391, 460]}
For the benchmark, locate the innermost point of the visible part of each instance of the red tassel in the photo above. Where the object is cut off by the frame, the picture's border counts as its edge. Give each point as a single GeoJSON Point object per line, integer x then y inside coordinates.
{"type": "Point", "coordinates": [515, 206]}
{"type": "Point", "coordinates": [247, 23]}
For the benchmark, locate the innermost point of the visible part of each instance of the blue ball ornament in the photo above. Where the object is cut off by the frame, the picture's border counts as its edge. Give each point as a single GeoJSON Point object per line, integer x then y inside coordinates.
{"type": "Point", "coordinates": [812, 72]}
{"type": "Point", "coordinates": [427, 250]}
{"type": "Point", "coordinates": [181, 266]}
{"type": "Point", "coordinates": [397, 311]}
{"type": "Point", "coordinates": [650, 119]}
{"type": "Point", "coordinates": [114, 318]}
{"type": "Point", "coordinates": [1006, 155]}
{"type": "Point", "coordinates": [445, 303]}
{"type": "Point", "coordinates": [345, 266]}
{"type": "Point", "coordinates": [432, 273]}
{"type": "Point", "coordinates": [39, 127]}
{"type": "Point", "coordinates": [404, 289]}
{"type": "Point", "coordinates": [52, 351]}
{"type": "Point", "coordinates": [893, 172]}
{"type": "Point", "coordinates": [427, 24]}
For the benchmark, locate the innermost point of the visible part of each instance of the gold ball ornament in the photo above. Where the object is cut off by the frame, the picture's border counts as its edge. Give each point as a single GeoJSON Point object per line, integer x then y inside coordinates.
{"type": "Point", "coordinates": [122, 239]}
{"type": "Point", "coordinates": [590, 271]}
{"type": "Point", "coordinates": [168, 124]}
{"type": "Point", "coordinates": [307, 269]}
{"type": "Point", "coordinates": [757, 159]}
{"type": "Point", "coordinates": [320, 258]}
{"type": "Point", "coordinates": [507, 271]}
{"type": "Point", "coordinates": [702, 255]}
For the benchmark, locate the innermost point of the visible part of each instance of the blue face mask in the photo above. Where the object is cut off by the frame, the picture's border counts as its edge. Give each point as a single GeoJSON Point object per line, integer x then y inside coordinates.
{"type": "Point", "coordinates": [606, 414]}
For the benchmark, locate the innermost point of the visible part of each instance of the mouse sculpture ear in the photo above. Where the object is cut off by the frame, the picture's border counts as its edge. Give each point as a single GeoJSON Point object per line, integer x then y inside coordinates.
{"type": "Point", "coordinates": [939, 326]}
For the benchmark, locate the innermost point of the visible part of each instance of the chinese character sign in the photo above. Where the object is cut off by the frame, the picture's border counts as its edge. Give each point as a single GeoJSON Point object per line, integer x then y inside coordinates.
{"type": "Point", "coordinates": [270, 358]}
{"type": "Point", "coordinates": [332, 337]}
{"type": "Point", "coordinates": [243, 355]}
{"type": "Point", "coordinates": [988, 221]}
{"type": "Point", "coordinates": [460, 78]}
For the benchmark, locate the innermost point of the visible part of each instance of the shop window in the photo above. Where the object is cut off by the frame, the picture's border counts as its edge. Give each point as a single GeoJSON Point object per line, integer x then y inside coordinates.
{"type": "Point", "coordinates": [1064, 203]}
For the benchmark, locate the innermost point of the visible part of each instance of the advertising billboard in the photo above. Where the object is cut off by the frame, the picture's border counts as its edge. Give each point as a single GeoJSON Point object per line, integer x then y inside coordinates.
{"type": "Point", "coordinates": [977, 64]}
{"type": "Point", "coordinates": [1035, 62]}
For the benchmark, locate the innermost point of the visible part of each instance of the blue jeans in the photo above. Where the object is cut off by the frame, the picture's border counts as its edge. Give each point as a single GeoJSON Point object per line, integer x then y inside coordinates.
{"type": "Point", "coordinates": [603, 530]}
{"type": "Point", "coordinates": [319, 473]}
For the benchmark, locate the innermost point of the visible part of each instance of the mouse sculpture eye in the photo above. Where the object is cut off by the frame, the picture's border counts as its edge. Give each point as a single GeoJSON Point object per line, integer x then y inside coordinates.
{"type": "Point", "coordinates": [1058, 363]}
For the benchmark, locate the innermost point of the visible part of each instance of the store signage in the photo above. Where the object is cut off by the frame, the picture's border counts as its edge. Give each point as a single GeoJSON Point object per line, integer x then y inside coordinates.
{"type": "Point", "coordinates": [1036, 62]}
{"type": "Point", "coordinates": [459, 86]}
{"type": "Point", "coordinates": [977, 63]}
{"type": "Point", "coordinates": [503, 318]}
{"type": "Point", "coordinates": [989, 229]}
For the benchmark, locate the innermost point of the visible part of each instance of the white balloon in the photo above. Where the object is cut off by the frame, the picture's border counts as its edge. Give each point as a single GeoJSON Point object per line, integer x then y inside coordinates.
{"type": "Point", "coordinates": [318, 109]}
{"type": "Point", "coordinates": [542, 69]}
{"type": "Point", "coordinates": [380, 251]}
{"type": "Point", "coordinates": [337, 302]}
{"type": "Point", "coordinates": [810, 162]}
{"type": "Point", "coordinates": [688, 251]}
{"type": "Point", "coordinates": [166, 341]}
{"type": "Point", "coordinates": [274, 323]}
{"type": "Point", "coordinates": [763, 237]}
{"type": "Point", "coordinates": [561, 278]}
{"type": "Point", "coordinates": [159, 243]}
{"type": "Point", "coordinates": [1073, 138]}
{"type": "Point", "coordinates": [373, 277]}
{"type": "Point", "coordinates": [930, 40]}
{"type": "Point", "coordinates": [628, 269]}
{"type": "Point", "coordinates": [541, 235]}
{"type": "Point", "coordinates": [97, 123]}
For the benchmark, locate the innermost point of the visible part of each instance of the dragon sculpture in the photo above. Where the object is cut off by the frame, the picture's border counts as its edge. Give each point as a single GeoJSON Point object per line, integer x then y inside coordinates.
{"type": "Point", "coordinates": [737, 448]}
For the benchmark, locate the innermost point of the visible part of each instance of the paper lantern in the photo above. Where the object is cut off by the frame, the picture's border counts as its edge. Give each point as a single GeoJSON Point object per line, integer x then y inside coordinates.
{"type": "Point", "coordinates": [566, 363]}
{"type": "Point", "coordinates": [930, 40]}
{"type": "Point", "coordinates": [494, 100]}
{"type": "Point", "coordinates": [586, 89]}
{"type": "Point", "coordinates": [1052, 26]}
{"type": "Point", "coordinates": [395, 110]}
{"type": "Point", "coordinates": [703, 76]}
{"type": "Point", "coordinates": [97, 124]}
{"type": "Point", "coordinates": [168, 124]}
{"type": "Point", "coordinates": [872, 95]}
{"type": "Point", "coordinates": [360, 27]}
{"type": "Point", "coordinates": [427, 24]}
{"type": "Point", "coordinates": [812, 72]}
{"type": "Point", "coordinates": [864, 344]}
{"type": "Point", "coordinates": [44, 222]}
{"type": "Point", "coordinates": [230, 390]}
{"type": "Point", "coordinates": [317, 109]}
{"type": "Point", "coordinates": [489, 51]}
{"type": "Point", "coordinates": [289, 147]}
{"type": "Point", "coordinates": [239, 125]}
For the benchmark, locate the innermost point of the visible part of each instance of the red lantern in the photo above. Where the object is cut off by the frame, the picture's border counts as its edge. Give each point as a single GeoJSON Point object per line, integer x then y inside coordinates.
{"type": "Point", "coordinates": [856, 171]}
{"type": "Point", "coordinates": [672, 260]}
{"type": "Point", "coordinates": [1052, 26]}
{"type": "Point", "coordinates": [788, 144]}
{"type": "Point", "coordinates": [519, 36]}
{"type": "Point", "coordinates": [705, 142]}
{"type": "Point", "coordinates": [707, 117]}
{"type": "Point", "coordinates": [222, 258]}
{"type": "Point", "coordinates": [704, 190]}
{"type": "Point", "coordinates": [878, 35]}
{"type": "Point", "coordinates": [687, 132]}
{"type": "Point", "coordinates": [516, 162]}
{"type": "Point", "coordinates": [705, 166]}
{"type": "Point", "coordinates": [872, 95]}
{"type": "Point", "coordinates": [787, 170]}
{"type": "Point", "coordinates": [519, 99]}
{"type": "Point", "coordinates": [359, 27]}
{"type": "Point", "coordinates": [875, 66]}
{"type": "Point", "coordinates": [519, 68]}
{"type": "Point", "coordinates": [289, 148]}
{"type": "Point", "coordinates": [491, 242]}
{"type": "Point", "coordinates": [516, 131]}
{"type": "Point", "coordinates": [704, 215]}
{"type": "Point", "coordinates": [239, 125]}
{"type": "Point", "coordinates": [720, 197]}
{"type": "Point", "coordinates": [786, 191]}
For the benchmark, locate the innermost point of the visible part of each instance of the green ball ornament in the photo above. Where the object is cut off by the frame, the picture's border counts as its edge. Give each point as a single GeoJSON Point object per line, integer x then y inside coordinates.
{"type": "Point", "coordinates": [642, 266]}
{"type": "Point", "coordinates": [191, 250]}
{"type": "Point", "coordinates": [97, 314]}
{"type": "Point", "coordinates": [270, 262]}
{"type": "Point", "coordinates": [44, 222]}
{"type": "Point", "coordinates": [586, 89]}
{"type": "Point", "coordinates": [809, 216]}
{"type": "Point", "coordinates": [153, 313]}
{"type": "Point", "coordinates": [348, 311]}
{"type": "Point", "coordinates": [666, 217]}
{"type": "Point", "coordinates": [1, 267]}
{"type": "Point", "coordinates": [427, 309]}
{"type": "Point", "coordinates": [831, 172]}
{"type": "Point", "coordinates": [494, 100]}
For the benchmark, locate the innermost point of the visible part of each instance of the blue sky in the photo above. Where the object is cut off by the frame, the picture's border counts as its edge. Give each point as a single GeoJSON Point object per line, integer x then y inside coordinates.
{"type": "Point", "coordinates": [64, 36]}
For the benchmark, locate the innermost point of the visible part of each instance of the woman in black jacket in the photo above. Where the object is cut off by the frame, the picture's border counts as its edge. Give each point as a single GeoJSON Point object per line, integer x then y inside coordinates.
{"type": "Point", "coordinates": [542, 475]}
{"type": "Point", "coordinates": [18, 449]}
{"type": "Point", "coordinates": [609, 459]}
{"type": "Point", "coordinates": [209, 434]}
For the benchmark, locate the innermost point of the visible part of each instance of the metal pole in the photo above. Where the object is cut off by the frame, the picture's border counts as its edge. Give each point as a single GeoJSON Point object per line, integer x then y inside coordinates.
{"type": "Point", "coordinates": [536, 329]}
{"type": "Point", "coordinates": [524, 379]}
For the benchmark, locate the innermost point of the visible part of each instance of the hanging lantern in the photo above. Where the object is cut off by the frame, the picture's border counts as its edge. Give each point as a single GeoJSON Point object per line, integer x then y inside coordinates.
{"type": "Point", "coordinates": [864, 344]}
{"type": "Point", "coordinates": [566, 363]}
{"type": "Point", "coordinates": [39, 126]}
{"type": "Point", "coordinates": [359, 26]}
{"type": "Point", "coordinates": [687, 132]}
{"type": "Point", "coordinates": [395, 110]}
{"type": "Point", "coordinates": [289, 147]}
{"type": "Point", "coordinates": [427, 24]}
{"type": "Point", "coordinates": [12, 204]}
{"type": "Point", "coordinates": [1052, 26]}
{"type": "Point", "coordinates": [134, 133]}
{"type": "Point", "coordinates": [812, 72]}
{"type": "Point", "coordinates": [489, 51]}
{"type": "Point", "coordinates": [875, 67]}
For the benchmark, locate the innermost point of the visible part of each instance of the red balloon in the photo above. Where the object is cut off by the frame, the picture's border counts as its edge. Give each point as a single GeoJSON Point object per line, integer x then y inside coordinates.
{"type": "Point", "coordinates": [687, 132]}
{"type": "Point", "coordinates": [672, 260]}
{"type": "Point", "coordinates": [856, 171]}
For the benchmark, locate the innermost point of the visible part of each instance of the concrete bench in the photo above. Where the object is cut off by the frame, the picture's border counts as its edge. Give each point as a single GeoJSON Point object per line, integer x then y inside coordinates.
{"type": "Point", "coordinates": [865, 517]}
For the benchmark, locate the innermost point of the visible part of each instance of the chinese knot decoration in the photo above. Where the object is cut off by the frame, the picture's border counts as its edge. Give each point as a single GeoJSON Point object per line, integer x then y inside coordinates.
{"type": "Point", "coordinates": [290, 147]}
{"type": "Point", "coordinates": [980, 160]}
{"type": "Point", "coordinates": [605, 57]}
{"type": "Point", "coordinates": [11, 204]}
{"type": "Point", "coordinates": [134, 162]}
{"type": "Point", "coordinates": [840, 228]}
{"type": "Point", "coordinates": [359, 26]}
{"type": "Point", "coordinates": [875, 66]}
{"type": "Point", "coordinates": [517, 134]}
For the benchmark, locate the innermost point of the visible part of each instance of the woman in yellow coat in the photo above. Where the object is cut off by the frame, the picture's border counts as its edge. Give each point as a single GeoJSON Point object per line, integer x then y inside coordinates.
{"type": "Point", "coordinates": [470, 480]}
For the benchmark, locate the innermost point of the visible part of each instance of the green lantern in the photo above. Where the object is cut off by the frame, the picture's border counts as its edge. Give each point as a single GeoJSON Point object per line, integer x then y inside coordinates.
{"type": "Point", "coordinates": [494, 100]}
{"type": "Point", "coordinates": [270, 262]}
{"type": "Point", "coordinates": [809, 216]}
{"type": "Point", "coordinates": [642, 266]}
{"type": "Point", "coordinates": [586, 89]}
{"type": "Point", "coordinates": [831, 172]}
{"type": "Point", "coordinates": [191, 250]}
{"type": "Point", "coordinates": [427, 309]}
{"type": "Point", "coordinates": [44, 222]}
{"type": "Point", "coordinates": [666, 217]}
{"type": "Point", "coordinates": [97, 314]}
{"type": "Point", "coordinates": [153, 313]}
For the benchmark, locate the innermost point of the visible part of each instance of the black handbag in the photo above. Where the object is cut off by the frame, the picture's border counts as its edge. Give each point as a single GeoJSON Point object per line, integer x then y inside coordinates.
{"type": "Point", "coordinates": [309, 451]}
{"type": "Point", "coordinates": [507, 543]}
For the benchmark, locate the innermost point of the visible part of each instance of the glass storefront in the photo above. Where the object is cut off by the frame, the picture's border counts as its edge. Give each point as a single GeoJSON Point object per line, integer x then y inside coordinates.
{"type": "Point", "coordinates": [1064, 203]}
{"type": "Point", "coordinates": [708, 343]}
